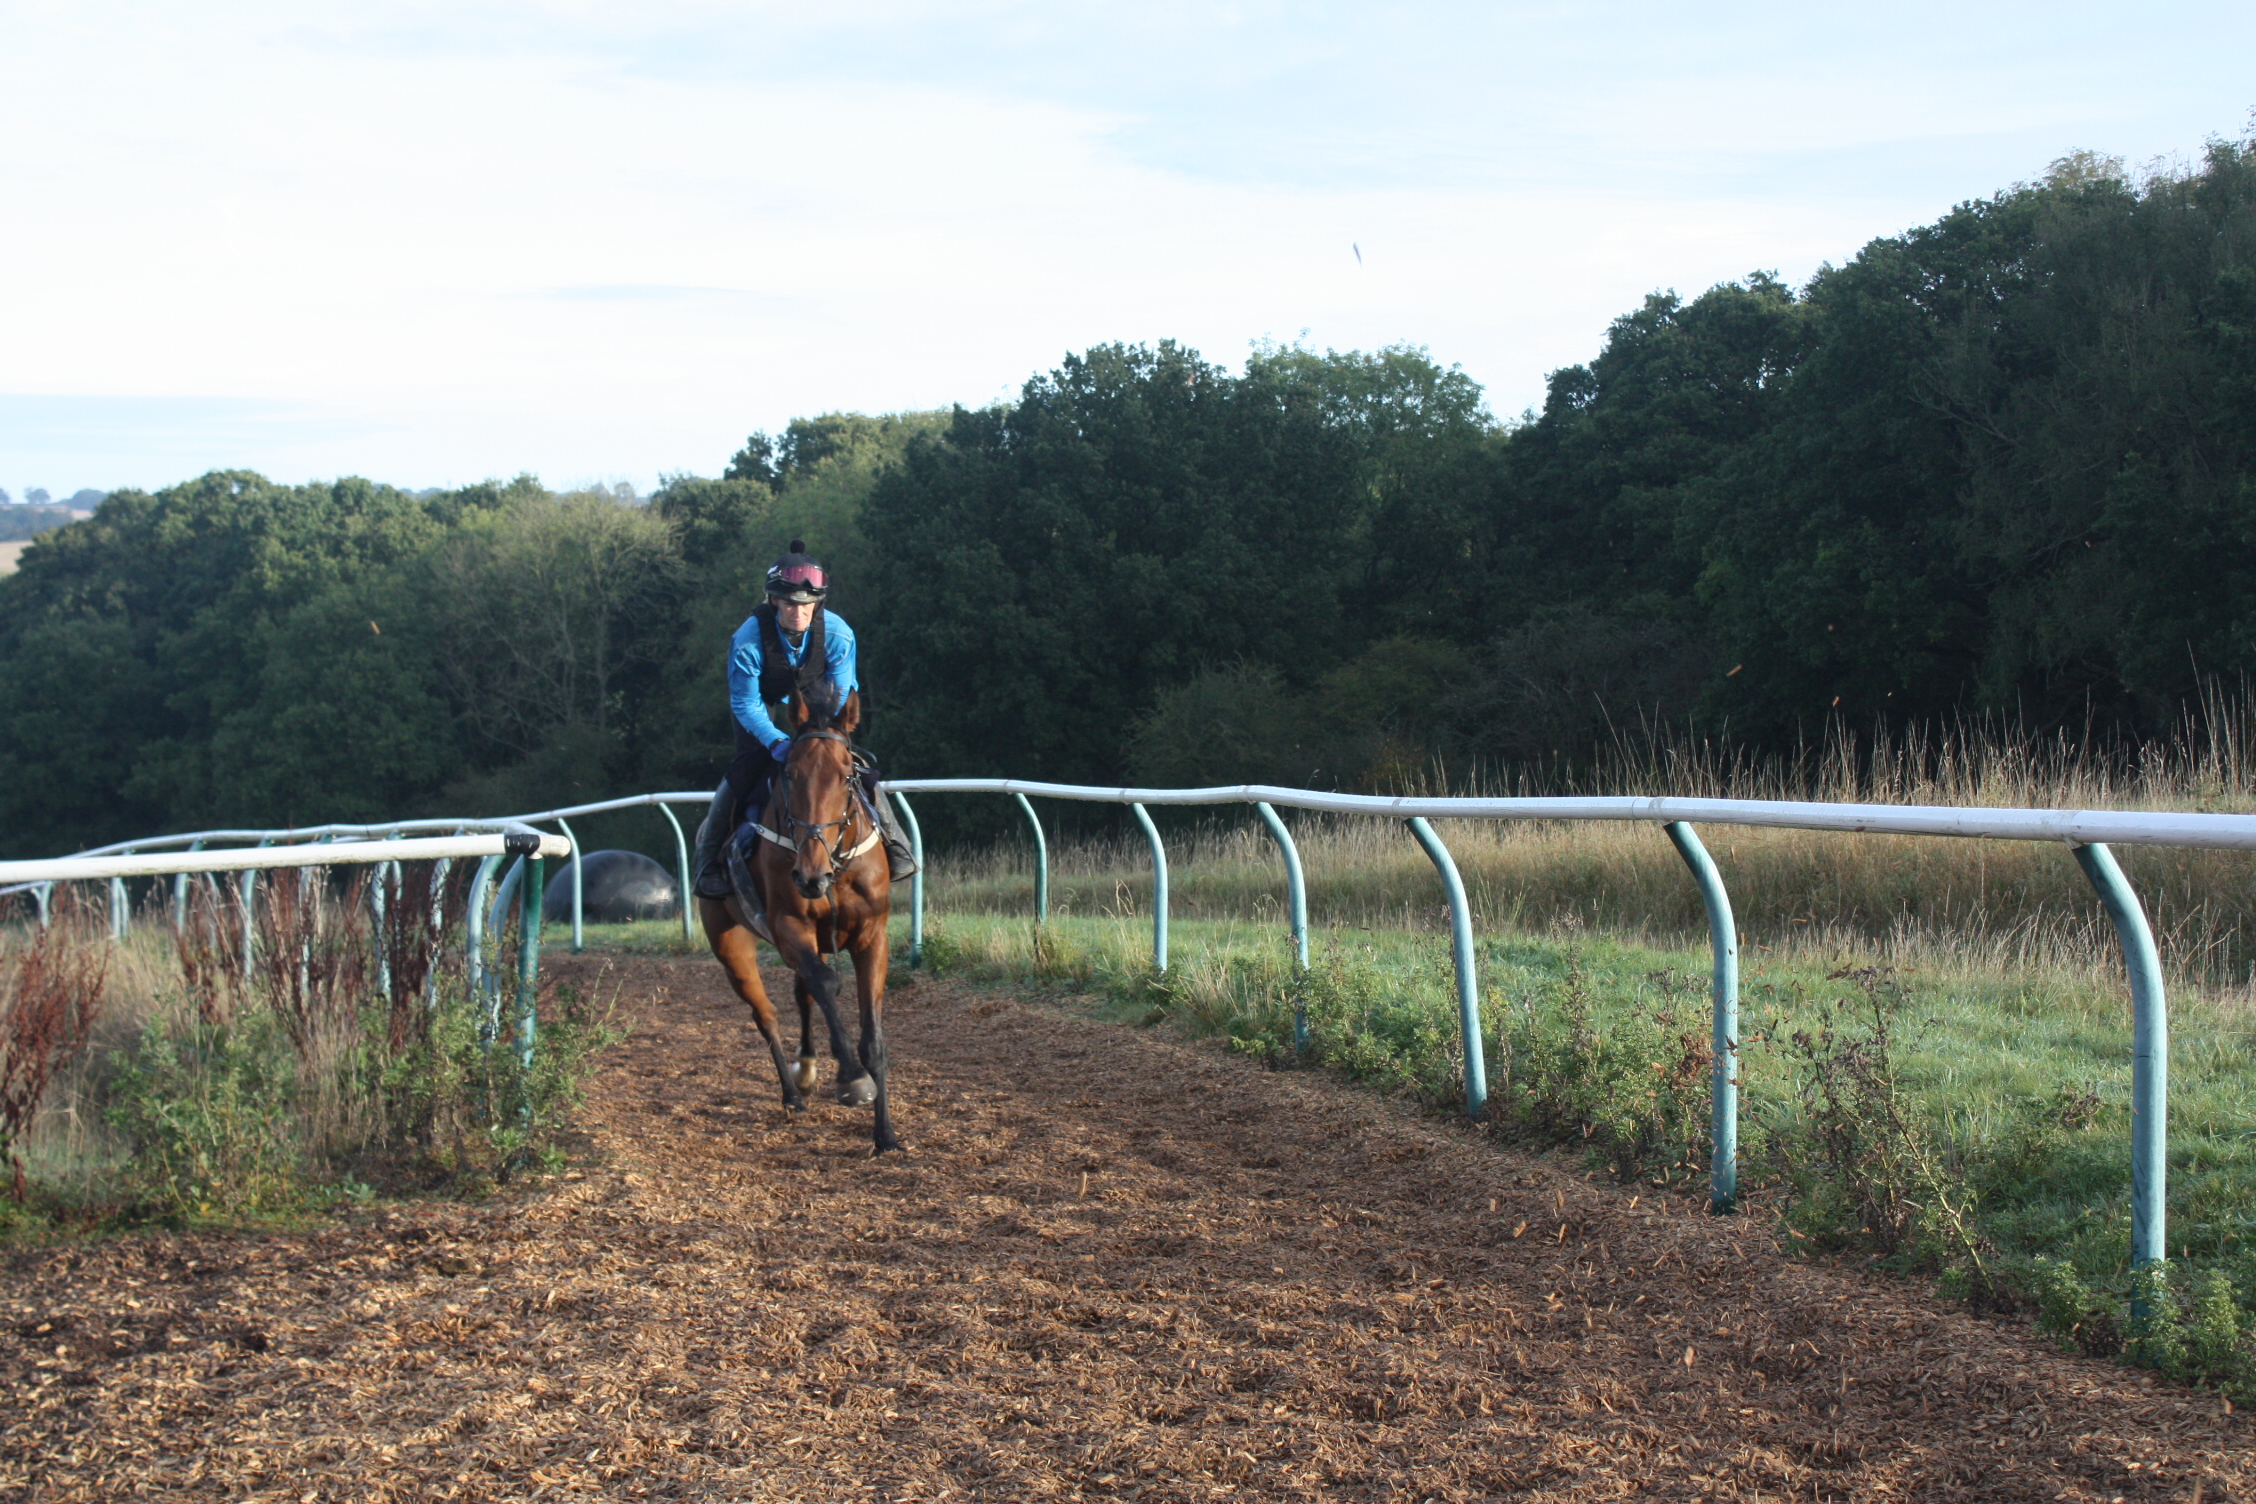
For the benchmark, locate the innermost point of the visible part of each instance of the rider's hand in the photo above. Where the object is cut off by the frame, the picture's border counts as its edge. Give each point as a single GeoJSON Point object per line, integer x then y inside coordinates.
{"type": "Point", "coordinates": [781, 751]}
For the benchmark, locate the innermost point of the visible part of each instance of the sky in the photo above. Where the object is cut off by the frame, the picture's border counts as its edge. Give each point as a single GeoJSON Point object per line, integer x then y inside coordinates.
{"type": "Point", "coordinates": [433, 243]}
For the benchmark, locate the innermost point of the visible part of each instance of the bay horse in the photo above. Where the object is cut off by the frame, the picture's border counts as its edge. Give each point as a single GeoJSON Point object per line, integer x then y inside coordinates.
{"type": "Point", "coordinates": [818, 874]}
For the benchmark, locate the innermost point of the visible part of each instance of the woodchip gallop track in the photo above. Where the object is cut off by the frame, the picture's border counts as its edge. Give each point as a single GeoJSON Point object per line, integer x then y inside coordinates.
{"type": "Point", "coordinates": [1109, 1265]}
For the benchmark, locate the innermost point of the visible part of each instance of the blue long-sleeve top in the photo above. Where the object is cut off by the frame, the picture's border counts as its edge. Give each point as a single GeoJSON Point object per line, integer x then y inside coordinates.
{"type": "Point", "coordinates": [744, 672]}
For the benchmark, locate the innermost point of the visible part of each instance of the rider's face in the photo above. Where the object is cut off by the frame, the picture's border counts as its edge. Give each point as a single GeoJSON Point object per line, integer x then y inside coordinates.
{"type": "Point", "coordinates": [795, 616]}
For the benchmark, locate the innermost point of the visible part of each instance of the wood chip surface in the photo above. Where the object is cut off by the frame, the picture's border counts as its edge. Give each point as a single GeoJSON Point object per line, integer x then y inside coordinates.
{"type": "Point", "coordinates": [1109, 1266]}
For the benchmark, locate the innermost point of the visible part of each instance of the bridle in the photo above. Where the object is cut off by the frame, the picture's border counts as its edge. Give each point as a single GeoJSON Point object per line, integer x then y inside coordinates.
{"type": "Point", "coordinates": [817, 831]}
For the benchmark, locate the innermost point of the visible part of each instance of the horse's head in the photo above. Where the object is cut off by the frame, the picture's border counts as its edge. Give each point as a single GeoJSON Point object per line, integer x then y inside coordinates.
{"type": "Point", "coordinates": [819, 796]}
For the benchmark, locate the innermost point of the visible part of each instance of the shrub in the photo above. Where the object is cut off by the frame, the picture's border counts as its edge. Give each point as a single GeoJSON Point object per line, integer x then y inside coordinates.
{"type": "Point", "coordinates": [208, 1113]}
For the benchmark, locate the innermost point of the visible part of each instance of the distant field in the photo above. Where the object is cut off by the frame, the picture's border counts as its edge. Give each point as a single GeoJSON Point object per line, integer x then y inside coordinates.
{"type": "Point", "coordinates": [9, 553]}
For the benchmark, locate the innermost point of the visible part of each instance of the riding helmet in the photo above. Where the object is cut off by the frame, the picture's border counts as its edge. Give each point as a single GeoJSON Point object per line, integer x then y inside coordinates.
{"type": "Point", "coordinates": [797, 577]}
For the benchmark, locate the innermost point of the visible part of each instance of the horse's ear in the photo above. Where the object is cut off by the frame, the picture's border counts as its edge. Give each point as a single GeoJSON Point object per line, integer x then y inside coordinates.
{"type": "Point", "coordinates": [799, 713]}
{"type": "Point", "coordinates": [849, 714]}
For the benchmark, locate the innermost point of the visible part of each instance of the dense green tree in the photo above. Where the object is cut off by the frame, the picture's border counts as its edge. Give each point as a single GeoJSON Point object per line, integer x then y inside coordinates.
{"type": "Point", "coordinates": [1597, 487]}
{"type": "Point", "coordinates": [2007, 475]}
{"type": "Point", "coordinates": [1138, 516]}
{"type": "Point", "coordinates": [133, 637]}
{"type": "Point", "coordinates": [1425, 450]}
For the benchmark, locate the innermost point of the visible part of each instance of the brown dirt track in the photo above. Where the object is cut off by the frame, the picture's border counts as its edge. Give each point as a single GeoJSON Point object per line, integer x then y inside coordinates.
{"type": "Point", "coordinates": [1110, 1265]}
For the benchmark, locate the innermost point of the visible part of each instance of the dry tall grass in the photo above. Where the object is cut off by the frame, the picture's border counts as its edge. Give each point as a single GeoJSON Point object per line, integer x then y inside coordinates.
{"type": "Point", "coordinates": [1911, 900]}
{"type": "Point", "coordinates": [118, 990]}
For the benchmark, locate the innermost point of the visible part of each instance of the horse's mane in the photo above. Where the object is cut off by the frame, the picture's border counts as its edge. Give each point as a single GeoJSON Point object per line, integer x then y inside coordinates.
{"type": "Point", "coordinates": [822, 700]}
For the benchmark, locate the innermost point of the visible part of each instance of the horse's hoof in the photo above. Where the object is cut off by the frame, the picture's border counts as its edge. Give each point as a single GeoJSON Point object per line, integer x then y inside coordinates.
{"type": "Point", "coordinates": [859, 1092]}
{"type": "Point", "coordinates": [887, 1146]}
{"type": "Point", "coordinates": [806, 1076]}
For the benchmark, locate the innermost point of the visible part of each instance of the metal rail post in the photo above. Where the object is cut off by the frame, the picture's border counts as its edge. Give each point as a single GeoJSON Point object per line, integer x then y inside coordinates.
{"type": "Point", "coordinates": [474, 924]}
{"type": "Point", "coordinates": [505, 898]}
{"type": "Point", "coordinates": [249, 891]}
{"type": "Point", "coordinates": [437, 937]}
{"type": "Point", "coordinates": [391, 879]}
{"type": "Point", "coordinates": [44, 895]}
{"type": "Point", "coordinates": [579, 942]}
{"type": "Point", "coordinates": [1041, 863]}
{"type": "Point", "coordinates": [1159, 887]}
{"type": "Point", "coordinates": [118, 906]}
{"type": "Point", "coordinates": [180, 891]}
{"type": "Point", "coordinates": [1723, 940]}
{"type": "Point", "coordinates": [528, 960]}
{"type": "Point", "coordinates": [916, 883]}
{"type": "Point", "coordinates": [1461, 945]}
{"type": "Point", "coordinates": [2150, 1053]}
{"type": "Point", "coordinates": [1296, 900]}
{"type": "Point", "coordinates": [681, 860]}
{"type": "Point", "coordinates": [378, 876]}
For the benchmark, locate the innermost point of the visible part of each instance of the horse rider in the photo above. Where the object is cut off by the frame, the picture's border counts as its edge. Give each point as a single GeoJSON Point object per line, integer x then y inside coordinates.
{"type": "Point", "coordinates": [768, 663]}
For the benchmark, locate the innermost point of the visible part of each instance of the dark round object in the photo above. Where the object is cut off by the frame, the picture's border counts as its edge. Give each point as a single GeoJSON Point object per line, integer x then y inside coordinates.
{"type": "Point", "coordinates": [620, 888]}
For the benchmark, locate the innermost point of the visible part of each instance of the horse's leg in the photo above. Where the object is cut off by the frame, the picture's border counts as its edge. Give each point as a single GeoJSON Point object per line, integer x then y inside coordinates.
{"type": "Point", "coordinates": [795, 938]}
{"type": "Point", "coordinates": [869, 949]}
{"type": "Point", "coordinates": [806, 1001]}
{"type": "Point", "coordinates": [739, 956]}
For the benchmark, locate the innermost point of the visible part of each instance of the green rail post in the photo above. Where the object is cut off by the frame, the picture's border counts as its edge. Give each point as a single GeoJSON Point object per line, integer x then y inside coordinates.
{"type": "Point", "coordinates": [1159, 887]}
{"type": "Point", "coordinates": [1296, 898]}
{"type": "Point", "coordinates": [1461, 946]}
{"type": "Point", "coordinates": [681, 861]}
{"type": "Point", "coordinates": [249, 891]}
{"type": "Point", "coordinates": [1041, 862]}
{"type": "Point", "coordinates": [180, 891]}
{"type": "Point", "coordinates": [430, 942]}
{"type": "Point", "coordinates": [120, 905]}
{"type": "Point", "coordinates": [1723, 941]}
{"type": "Point", "coordinates": [579, 939]}
{"type": "Point", "coordinates": [2150, 1055]}
{"type": "Point", "coordinates": [528, 960]}
{"type": "Point", "coordinates": [474, 941]}
{"type": "Point", "coordinates": [916, 883]}
{"type": "Point", "coordinates": [378, 912]}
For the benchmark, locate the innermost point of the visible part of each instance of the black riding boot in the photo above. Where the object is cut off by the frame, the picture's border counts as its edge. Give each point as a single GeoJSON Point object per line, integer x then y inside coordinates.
{"type": "Point", "coordinates": [899, 855]}
{"type": "Point", "coordinates": [709, 874]}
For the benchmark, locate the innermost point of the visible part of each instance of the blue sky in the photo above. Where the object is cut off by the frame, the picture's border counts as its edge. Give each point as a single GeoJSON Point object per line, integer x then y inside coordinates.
{"type": "Point", "coordinates": [432, 243]}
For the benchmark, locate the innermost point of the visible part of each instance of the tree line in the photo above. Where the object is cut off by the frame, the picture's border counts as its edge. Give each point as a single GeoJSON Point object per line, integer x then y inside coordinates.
{"type": "Point", "coordinates": [2003, 464]}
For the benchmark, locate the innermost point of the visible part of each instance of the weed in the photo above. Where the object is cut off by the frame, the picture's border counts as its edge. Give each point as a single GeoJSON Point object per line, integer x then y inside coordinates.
{"type": "Point", "coordinates": [50, 991]}
{"type": "Point", "coordinates": [475, 1111]}
{"type": "Point", "coordinates": [313, 959]}
{"type": "Point", "coordinates": [1885, 1187]}
{"type": "Point", "coordinates": [345, 1058]}
{"type": "Point", "coordinates": [208, 942]}
{"type": "Point", "coordinates": [1632, 1090]}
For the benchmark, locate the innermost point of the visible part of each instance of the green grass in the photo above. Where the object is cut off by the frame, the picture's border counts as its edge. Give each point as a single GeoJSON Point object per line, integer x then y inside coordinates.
{"type": "Point", "coordinates": [649, 937]}
{"type": "Point", "coordinates": [1977, 1126]}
